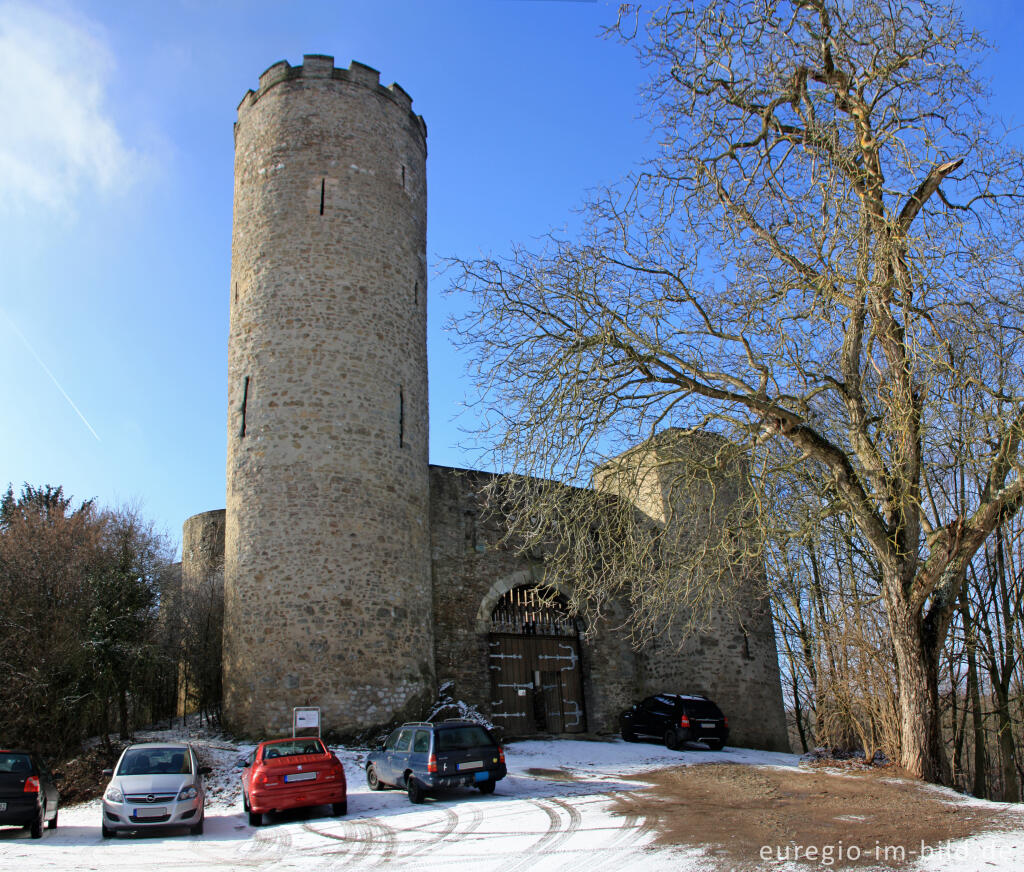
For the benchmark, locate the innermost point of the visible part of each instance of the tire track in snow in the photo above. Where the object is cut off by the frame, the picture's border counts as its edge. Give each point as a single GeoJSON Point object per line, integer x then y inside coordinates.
{"type": "Point", "coordinates": [362, 837]}
{"type": "Point", "coordinates": [632, 829]}
{"type": "Point", "coordinates": [451, 821]}
{"type": "Point", "coordinates": [575, 818]}
{"type": "Point", "coordinates": [544, 844]}
{"type": "Point", "coordinates": [476, 818]}
{"type": "Point", "coordinates": [387, 837]}
{"type": "Point", "coordinates": [356, 836]}
{"type": "Point", "coordinates": [265, 845]}
{"type": "Point", "coordinates": [350, 849]}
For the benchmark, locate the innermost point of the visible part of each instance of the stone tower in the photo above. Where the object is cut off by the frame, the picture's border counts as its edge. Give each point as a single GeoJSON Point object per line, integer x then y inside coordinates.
{"type": "Point", "coordinates": [327, 550]}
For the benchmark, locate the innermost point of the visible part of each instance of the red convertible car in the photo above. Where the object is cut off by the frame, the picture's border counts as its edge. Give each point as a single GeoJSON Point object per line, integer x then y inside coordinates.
{"type": "Point", "coordinates": [292, 773]}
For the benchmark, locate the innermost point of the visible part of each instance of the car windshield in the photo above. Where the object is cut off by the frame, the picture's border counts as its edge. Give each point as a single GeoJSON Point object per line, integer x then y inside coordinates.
{"type": "Point", "coordinates": [16, 763]}
{"type": "Point", "coordinates": [293, 748]}
{"type": "Point", "coordinates": [459, 738]}
{"type": "Point", "coordinates": [155, 761]}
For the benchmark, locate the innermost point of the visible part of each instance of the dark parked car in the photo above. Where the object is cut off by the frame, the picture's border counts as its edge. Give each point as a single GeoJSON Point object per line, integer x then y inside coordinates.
{"type": "Point", "coordinates": [423, 757]}
{"type": "Point", "coordinates": [28, 794]}
{"type": "Point", "coordinates": [676, 718]}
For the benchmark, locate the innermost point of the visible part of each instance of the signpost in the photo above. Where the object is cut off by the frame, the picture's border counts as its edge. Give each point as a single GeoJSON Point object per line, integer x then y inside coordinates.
{"type": "Point", "coordinates": [305, 718]}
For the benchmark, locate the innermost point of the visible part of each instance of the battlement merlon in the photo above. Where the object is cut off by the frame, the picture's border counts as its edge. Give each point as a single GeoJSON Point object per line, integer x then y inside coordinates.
{"type": "Point", "coordinates": [317, 66]}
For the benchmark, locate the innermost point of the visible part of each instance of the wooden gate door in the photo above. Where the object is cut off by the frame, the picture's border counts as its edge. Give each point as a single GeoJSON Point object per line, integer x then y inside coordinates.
{"type": "Point", "coordinates": [536, 684]}
{"type": "Point", "coordinates": [560, 655]}
{"type": "Point", "coordinates": [509, 663]}
{"type": "Point", "coordinates": [551, 687]}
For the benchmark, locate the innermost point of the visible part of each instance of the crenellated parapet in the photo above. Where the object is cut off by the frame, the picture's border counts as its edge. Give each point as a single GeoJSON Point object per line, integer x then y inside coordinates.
{"type": "Point", "coordinates": [317, 66]}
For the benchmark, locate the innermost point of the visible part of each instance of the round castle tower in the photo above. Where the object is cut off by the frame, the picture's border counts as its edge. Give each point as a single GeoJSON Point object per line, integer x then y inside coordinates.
{"type": "Point", "coordinates": [327, 550]}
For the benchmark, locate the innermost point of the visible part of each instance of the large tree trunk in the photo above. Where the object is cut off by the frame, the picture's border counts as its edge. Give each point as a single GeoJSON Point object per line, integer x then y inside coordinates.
{"type": "Point", "coordinates": [917, 667]}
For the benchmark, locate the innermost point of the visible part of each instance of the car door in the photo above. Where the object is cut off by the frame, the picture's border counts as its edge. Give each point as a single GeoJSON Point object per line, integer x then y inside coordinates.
{"type": "Point", "coordinates": [398, 759]}
{"type": "Point", "coordinates": [419, 757]}
{"type": "Point", "coordinates": [645, 718]}
{"type": "Point", "coordinates": [662, 715]}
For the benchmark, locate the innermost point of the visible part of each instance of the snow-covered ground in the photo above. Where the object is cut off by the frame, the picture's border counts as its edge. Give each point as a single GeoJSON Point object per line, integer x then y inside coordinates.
{"type": "Point", "coordinates": [552, 812]}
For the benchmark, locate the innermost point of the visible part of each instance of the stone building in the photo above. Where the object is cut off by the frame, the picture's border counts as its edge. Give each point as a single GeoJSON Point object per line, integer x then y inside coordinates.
{"type": "Point", "coordinates": [357, 577]}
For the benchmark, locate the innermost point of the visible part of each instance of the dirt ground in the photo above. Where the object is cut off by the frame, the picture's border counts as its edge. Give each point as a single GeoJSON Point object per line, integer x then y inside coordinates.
{"type": "Point", "coordinates": [753, 818]}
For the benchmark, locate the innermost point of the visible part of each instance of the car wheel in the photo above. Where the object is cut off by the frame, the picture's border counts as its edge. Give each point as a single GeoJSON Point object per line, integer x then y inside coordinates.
{"type": "Point", "coordinates": [245, 802]}
{"type": "Point", "coordinates": [486, 786]}
{"type": "Point", "coordinates": [713, 744]}
{"type": "Point", "coordinates": [255, 819]}
{"type": "Point", "coordinates": [672, 740]}
{"type": "Point", "coordinates": [372, 781]}
{"type": "Point", "coordinates": [36, 827]}
{"type": "Point", "coordinates": [628, 735]}
{"type": "Point", "coordinates": [338, 809]}
{"type": "Point", "coordinates": [106, 832]}
{"type": "Point", "coordinates": [197, 830]}
{"type": "Point", "coordinates": [51, 824]}
{"type": "Point", "coordinates": [415, 790]}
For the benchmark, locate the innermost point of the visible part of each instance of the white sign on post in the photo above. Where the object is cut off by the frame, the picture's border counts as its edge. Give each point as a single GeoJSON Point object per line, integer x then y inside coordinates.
{"type": "Point", "coordinates": [306, 718]}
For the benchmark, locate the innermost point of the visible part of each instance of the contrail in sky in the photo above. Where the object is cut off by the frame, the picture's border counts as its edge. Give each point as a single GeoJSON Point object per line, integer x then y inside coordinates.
{"type": "Point", "coordinates": [53, 378]}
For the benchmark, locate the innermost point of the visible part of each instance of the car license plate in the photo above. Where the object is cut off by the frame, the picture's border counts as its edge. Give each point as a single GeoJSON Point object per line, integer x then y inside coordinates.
{"type": "Point", "coordinates": [482, 776]}
{"type": "Point", "coordinates": [3, 806]}
{"type": "Point", "coordinates": [708, 726]}
{"type": "Point", "coordinates": [150, 812]}
{"type": "Point", "coordinates": [471, 764]}
{"type": "Point", "coordinates": [300, 776]}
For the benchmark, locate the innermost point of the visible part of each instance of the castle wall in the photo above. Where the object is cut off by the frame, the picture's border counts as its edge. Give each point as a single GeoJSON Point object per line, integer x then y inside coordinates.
{"type": "Point", "coordinates": [202, 548]}
{"type": "Point", "coordinates": [732, 660]}
{"type": "Point", "coordinates": [202, 592]}
{"type": "Point", "coordinates": [471, 571]}
{"type": "Point", "coordinates": [355, 576]}
{"type": "Point", "coordinates": [327, 564]}
{"type": "Point", "coordinates": [731, 655]}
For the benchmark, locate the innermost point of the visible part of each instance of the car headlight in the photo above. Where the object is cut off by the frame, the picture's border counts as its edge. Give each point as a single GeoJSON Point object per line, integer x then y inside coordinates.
{"type": "Point", "coordinates": [113, 794]}
{"type": "Point", "coordinates": [189, 792]}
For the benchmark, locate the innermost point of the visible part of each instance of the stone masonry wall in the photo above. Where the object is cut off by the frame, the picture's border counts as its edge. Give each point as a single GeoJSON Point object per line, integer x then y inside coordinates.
{"type": "Point", "coordinates": [732, 657]}
{"type": "Point", "coordinates": [202, 548]}
{"type": "Point", "coordinates": [471, 573]}
{"type": "Point", "coordinates": [327, 553]}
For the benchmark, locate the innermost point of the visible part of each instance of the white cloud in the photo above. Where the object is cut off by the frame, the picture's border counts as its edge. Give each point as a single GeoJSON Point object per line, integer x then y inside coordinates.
{"type": "Point", "coordinates": [56, 135]}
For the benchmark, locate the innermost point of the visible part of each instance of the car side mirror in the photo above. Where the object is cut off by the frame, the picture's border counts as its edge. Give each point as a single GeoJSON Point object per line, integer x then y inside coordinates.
{"type": "Point", "coordinates": [241, 763]}
{"type": "Point", "coordinates": [108, 772]}
{"type": "Point", "coordinates": [205, 770]}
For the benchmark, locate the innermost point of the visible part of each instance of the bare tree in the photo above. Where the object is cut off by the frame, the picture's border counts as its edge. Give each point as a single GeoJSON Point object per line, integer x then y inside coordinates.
{"type": "Point", "coordinates": [819, 263]}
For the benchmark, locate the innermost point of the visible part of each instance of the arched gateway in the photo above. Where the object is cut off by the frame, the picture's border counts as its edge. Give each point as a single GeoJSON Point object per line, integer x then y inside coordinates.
{"type": "Point", "coordinates": [534, 662]}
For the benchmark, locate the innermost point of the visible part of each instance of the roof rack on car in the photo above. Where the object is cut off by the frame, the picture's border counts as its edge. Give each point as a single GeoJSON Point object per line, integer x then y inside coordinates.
{"type": "Point", "coordinates": [456, 721]}
{"type": "Point", "coordinates": [417, 724]}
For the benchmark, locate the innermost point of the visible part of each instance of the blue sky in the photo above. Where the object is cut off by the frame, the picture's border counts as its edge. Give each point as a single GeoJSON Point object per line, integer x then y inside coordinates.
{"type": "Point", "coordinates": [115, 200]}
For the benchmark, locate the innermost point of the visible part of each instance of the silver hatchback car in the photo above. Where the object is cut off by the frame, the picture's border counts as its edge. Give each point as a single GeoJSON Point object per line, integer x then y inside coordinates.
{"type": "Point", "coordinates": [155, 785]}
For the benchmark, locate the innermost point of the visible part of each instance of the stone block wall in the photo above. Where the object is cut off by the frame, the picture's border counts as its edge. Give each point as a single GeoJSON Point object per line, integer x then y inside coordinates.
{"type": "Point", "coordinates": [470, 574]}
{"type": "Point", "coordinates": [327, 560]}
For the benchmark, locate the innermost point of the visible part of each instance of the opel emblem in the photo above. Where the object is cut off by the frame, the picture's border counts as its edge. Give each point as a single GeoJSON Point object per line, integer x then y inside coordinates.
{"type": "Point", "coordinates": [151, 798]}
{"type": "Point", "coordinates": [300, 769]}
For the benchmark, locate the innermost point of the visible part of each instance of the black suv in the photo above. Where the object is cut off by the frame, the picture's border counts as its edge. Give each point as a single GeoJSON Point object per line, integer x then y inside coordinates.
{"type": "Point", "coordinates": [28, 794]}
{"type": "Point", "coordinates": [421, 757]}
{"type": "Point", "coordinates": [676, 718]}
